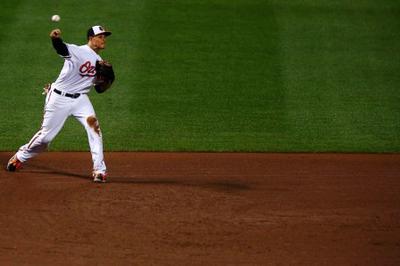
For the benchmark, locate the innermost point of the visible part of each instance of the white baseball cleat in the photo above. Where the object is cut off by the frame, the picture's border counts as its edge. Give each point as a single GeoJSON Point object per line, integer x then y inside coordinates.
{"type": "Point", "coordinates": [99, 177]}
{"type": "Point", "coordinates": [14, 164]}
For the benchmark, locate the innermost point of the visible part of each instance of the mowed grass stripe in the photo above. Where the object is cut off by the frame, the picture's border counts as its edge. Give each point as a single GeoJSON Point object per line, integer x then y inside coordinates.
{"type": "Point", "coordinates": [339, 75]}
{"type": "Point", "coordinates": [207, 77]}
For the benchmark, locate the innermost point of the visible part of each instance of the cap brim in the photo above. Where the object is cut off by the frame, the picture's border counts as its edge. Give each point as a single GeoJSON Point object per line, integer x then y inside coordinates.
{"type": "Point", "coordinates": [106, 33]}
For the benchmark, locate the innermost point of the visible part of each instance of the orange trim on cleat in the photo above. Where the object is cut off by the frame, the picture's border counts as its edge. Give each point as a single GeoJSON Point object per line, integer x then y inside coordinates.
{"type": "Point", "coordinates": [99, 177]}
{"type": "Point", "coordinates": [14, 164]}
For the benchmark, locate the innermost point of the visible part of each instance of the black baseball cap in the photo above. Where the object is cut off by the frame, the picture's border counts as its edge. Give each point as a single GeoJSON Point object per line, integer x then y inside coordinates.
{"type": "Point", "coordinates": [97, 30]}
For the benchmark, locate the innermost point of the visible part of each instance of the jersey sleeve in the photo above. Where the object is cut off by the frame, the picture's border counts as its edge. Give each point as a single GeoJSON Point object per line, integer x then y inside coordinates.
{"type": "Point", "coordinates": [60, 47]}
{"type": "Point", "coordinates": [72, 51]}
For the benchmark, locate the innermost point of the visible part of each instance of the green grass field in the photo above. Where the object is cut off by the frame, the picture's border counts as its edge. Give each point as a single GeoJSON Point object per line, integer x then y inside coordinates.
{"type": "Point", "coordinates": [215, 75]}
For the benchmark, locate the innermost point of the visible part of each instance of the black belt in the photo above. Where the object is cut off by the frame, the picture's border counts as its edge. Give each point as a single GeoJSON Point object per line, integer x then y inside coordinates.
{"type": "Point", "coordinates": [70, 95]}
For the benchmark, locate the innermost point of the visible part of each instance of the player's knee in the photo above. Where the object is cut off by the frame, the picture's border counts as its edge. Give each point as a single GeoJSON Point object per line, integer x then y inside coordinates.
{"type": "Point", "coordinates": [93, 123]}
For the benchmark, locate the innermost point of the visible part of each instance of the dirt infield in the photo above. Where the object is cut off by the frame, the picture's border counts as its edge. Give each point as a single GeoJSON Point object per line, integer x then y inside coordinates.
{"type": "Point", "coordinates": [202, 208]}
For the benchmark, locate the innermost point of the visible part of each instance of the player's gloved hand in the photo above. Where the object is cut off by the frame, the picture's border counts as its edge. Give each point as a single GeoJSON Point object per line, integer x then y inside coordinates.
{"type": "Point", "coordinates": [104, 76]}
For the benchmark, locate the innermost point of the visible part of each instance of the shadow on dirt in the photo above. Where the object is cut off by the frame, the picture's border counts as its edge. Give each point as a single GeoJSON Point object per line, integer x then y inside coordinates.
{"type": "Point", "coordinates": [223, 185]}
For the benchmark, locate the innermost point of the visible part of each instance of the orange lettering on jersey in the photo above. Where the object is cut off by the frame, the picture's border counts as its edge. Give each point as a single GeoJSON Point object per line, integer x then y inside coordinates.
{"type": "Point", "coordinates": [87, 70]}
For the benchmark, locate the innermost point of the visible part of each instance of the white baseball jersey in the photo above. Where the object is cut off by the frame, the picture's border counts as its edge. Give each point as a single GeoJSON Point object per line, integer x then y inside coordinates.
{"type": "Point", "coordinates": [79, 69]}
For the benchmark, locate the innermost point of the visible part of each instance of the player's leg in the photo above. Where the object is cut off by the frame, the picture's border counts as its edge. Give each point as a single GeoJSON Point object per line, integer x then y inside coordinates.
{"type": "Point", "coordinates": [56, 112]}
{"type": "Point", "coordinates": [83, 111]}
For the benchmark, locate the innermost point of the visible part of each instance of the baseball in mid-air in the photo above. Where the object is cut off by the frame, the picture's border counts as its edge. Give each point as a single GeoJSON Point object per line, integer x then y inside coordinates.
{"type": "Point", "coordinates": [55, 18]}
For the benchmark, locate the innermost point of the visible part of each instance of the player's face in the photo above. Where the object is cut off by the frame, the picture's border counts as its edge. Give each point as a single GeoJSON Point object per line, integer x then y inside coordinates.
{"type": "Point", "coordinates": [99, 41]}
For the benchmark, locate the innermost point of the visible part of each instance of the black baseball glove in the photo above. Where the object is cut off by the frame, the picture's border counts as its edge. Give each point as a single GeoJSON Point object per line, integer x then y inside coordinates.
{"type": "Point", "coordinates": [104, 76]}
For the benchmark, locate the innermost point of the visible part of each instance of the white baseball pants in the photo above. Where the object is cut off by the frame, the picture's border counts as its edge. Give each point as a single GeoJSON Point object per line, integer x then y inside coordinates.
{"type": "Point", "coordinates": [56, 111]}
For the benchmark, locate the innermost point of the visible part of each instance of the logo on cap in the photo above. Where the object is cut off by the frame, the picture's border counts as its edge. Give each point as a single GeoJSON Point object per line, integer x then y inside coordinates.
{"type": "Point", "coordinates": [97, 30]}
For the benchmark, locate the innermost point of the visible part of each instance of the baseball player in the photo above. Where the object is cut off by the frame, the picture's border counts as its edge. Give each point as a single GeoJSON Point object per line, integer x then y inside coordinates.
{"type": "Point", "coordinates": [67, 96]}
